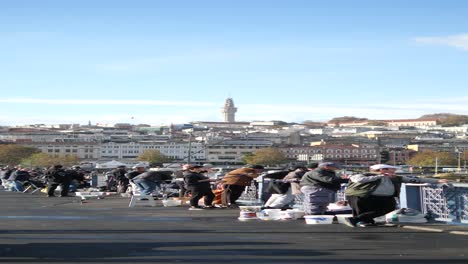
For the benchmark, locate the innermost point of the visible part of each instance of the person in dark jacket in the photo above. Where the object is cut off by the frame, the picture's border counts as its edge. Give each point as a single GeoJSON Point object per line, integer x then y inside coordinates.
{"type": "Point", "coordinates": [373, 194]}
{"type": "Point", "coordinates": [57, 176]}
{"type": "Point", "coordinates": [122, 181]}
{"type": "Point", "coordinates": [77, 178]}
{"type": "Point", "coordinates": [319, 188]}
{"type": "Point", "coordinates": [199, 185]}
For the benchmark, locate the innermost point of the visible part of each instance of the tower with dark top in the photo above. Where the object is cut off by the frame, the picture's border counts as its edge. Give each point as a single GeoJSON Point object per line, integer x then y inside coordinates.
{"type": "Point", "coordinates": [229, 111]}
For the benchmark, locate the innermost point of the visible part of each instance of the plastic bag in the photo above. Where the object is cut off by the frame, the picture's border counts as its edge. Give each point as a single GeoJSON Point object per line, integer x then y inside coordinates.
{"type": "Point", "coordinates": [405, 215]}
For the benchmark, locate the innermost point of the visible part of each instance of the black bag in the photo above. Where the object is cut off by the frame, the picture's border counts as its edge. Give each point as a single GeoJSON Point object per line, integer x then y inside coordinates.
{"type": "Point", "coordinates": [278, 187]}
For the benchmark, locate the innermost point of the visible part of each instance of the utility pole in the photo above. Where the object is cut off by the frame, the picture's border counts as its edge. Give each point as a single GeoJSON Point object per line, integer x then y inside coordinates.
{"type": "Point", "coordinates": [189, 148]}
{"type": "Point", "coordinates": [436, 164]}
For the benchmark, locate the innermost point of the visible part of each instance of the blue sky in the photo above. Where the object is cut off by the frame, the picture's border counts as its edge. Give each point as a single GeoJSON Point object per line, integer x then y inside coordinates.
{"type": "Point", "coordinates": [162, 62]}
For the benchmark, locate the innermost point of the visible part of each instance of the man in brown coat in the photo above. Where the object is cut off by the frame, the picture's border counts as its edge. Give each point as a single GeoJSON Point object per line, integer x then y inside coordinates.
{"type": "Point", "coordinates": [234, 183]}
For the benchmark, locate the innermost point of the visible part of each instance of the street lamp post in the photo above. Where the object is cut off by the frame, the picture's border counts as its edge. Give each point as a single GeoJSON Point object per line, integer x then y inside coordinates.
{"type": "Point", "coordinates": [457, 150]}
{"type": "Point", "coordinates": [189, 149]}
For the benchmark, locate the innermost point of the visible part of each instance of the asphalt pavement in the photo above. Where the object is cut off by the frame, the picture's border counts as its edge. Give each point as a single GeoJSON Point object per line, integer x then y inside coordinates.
{"type": "Point", "coordinates": [37, 229]}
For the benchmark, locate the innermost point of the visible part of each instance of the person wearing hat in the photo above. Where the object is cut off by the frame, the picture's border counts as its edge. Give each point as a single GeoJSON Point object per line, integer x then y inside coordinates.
{"type": "Point", "coordinates": [137, 170]}
{"type": "Point", "coordinates": [234, 183]}
{"type": "Point", "coordinates": [373, 194]}
{"type": "Point", "coordinates": [319, 187]}
{"type": "Point", "coordinates": [199, 186]}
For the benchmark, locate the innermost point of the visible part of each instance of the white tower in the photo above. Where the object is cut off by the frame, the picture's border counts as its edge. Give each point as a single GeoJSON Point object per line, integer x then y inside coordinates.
{"type": "Point", "coordinates": [229, 111]}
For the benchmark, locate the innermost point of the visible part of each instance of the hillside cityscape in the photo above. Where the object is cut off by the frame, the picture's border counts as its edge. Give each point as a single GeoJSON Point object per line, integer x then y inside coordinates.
{"type": "Point", "coordinates": [348, 140]}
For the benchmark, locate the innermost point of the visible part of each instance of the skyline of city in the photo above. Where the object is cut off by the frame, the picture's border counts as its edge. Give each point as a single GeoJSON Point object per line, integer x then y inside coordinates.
{"type": "Point", "coordinates": [162, 62]}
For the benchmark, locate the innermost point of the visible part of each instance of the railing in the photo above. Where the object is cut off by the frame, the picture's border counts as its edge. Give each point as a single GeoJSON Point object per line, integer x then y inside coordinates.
{"type": "Point", "coordinates": [448, 202]}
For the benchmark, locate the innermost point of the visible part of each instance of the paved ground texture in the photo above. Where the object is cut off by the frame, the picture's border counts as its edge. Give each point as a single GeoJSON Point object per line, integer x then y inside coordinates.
{"type": "Point", "coordinates": [36, 229]}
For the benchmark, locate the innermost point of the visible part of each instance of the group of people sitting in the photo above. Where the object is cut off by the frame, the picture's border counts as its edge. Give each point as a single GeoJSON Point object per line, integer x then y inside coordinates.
{"type": "Point", "coordinates": [192, 181]}
{"type": "Point", "coordinates": [18, 179]}
{"type": "Point", "coordinates": [370, 195]}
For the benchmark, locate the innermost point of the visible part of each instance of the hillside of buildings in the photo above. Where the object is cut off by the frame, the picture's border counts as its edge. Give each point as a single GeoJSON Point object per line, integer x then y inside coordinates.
{"type": "Point", "coordinates": [351, 141]}
{"type": "Point", "coordinates": [443, 119]}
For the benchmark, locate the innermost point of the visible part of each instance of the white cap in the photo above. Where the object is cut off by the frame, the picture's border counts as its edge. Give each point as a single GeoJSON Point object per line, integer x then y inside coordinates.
{"type": "Point", "coordinates": [139, 165]}
{"type": "Point", "coordinates": [382, 166]}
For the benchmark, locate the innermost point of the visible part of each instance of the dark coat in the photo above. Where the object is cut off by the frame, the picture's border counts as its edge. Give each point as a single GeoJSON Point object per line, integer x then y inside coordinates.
{"type": "Point", "coordinates": [192, 181]}
{"type": "Point", "coordinates": [19, 175]}
{"type": "Point", "coordinates": [155, 176]}
{"type": "Point", "coordinates": [57, 175]}
{"type": "Point", "coordinates": [132, 174]}
{"type": "Point", "coordinates": [322, 178]}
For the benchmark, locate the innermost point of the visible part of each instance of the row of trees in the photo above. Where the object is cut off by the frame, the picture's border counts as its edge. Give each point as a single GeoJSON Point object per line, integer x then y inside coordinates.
{"type": "Point", "coordinates": [11, 154]}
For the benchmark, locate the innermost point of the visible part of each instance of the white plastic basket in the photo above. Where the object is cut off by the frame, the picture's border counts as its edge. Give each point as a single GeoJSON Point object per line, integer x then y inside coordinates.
{"type": "Point", "coordinates": [168, 203]}
{"type": "Point", "coordinates": [319, 219]}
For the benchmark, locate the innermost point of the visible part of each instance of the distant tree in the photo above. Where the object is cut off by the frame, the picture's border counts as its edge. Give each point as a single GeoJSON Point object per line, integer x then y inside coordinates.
{"type": "Point", "coordinates": [447, 119]}
{"type": "Point", "coordinates": [266, 156]}
{"type": "Point", "coordinates": [154, 157]}
{"type": "Point", "coordinates": [45, 160]}
{"type": "Point", "coordinates": [346, 119]}
{"type": "Point", "coordinates": [12, 154]}
{"type": "Point", "coordinates": [248, 157]}
{"type": "Point", "coordinates": [428, 158]}
{"type": "Point", "coordinates": [454, 121]}
{"type": "Point", "coordinates": [310, 123]}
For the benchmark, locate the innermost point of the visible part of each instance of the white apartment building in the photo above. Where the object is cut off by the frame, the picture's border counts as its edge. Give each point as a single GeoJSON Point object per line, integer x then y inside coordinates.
{"type": "Point", "coordinates": [120, 151]}
{"type": "Point", "coordinates": [82, 150]}
{"type": "Point", "coordinates": [129, 151]}
{"type": "Point", "coordinates": [232, 151]}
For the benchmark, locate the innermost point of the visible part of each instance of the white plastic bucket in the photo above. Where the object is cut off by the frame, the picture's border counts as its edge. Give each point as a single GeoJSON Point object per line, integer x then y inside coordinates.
{"type": "Point", "coordinates": [341, 217]}
{"type": "Point", "coordinates": [297, 213]}
{"type": "Point", "coordinates": [288, 215]}
{"type": "Point", "coordinates": [250, 208]}
{"type": "Point", "coordinates": [319, 219]}
{"type": "Point", "coordinates": [246, 215]}
{"type": "Point", "coordinates": [168, 203]}
{"type": "Point", "coordinates": [272, 214]}
{"type": "Point", "coordinates": [292, 214]}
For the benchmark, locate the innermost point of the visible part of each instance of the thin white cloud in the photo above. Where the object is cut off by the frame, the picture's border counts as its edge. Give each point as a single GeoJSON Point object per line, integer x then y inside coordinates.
{"type": "Point", "coordinates": [395, 110]}
{"type": "Point", "coordinates": [210, 112]}
{"type": "Point", "coordinates": [458, 41]}
{"type": "Point", "coordinates": [102, 102]}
